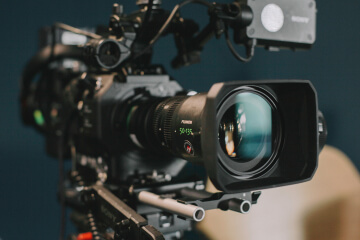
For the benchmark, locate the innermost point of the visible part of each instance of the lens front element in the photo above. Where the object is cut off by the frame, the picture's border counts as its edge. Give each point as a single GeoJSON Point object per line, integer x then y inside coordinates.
{"type": "Point", "coordinates": [246, 127]}
{"type": "Point", "coordinates": [246, 132]}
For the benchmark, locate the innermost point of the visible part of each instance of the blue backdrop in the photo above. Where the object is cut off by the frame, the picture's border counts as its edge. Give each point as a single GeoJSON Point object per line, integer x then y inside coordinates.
{"type": "Point", "coordinates": [28, 178]}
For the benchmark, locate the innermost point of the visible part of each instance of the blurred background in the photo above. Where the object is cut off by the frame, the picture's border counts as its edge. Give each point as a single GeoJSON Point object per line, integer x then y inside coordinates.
{"type": "Point", "coordinates": [28, 178]}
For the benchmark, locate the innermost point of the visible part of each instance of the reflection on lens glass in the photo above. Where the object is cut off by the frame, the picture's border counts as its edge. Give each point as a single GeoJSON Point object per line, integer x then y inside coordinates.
{"type": "Point", "coordinates": [245, 129]}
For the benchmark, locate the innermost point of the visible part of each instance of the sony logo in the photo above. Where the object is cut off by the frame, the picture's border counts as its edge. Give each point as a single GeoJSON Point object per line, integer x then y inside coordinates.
{"type": "Point", "coordinates": [300, 19]}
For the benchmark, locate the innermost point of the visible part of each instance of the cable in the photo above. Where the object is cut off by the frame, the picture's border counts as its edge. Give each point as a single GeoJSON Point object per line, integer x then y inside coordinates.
{"type": "Point", "coordinates": [250, 50]}
{"type": "Point", "coordinates": [148, 12]}
{"type": "Point", "coordinates": [77, 30]}
{"type": "Point", "coordinates": [149, 7]}
{"type": "Point", "coordinates": [168, 21]}
{"type": "Point", "coordinates": [43, 58]}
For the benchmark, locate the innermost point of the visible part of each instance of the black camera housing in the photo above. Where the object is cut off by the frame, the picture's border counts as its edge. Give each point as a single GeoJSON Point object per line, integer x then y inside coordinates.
{"type": "Point", "coordinates": [296, 155]}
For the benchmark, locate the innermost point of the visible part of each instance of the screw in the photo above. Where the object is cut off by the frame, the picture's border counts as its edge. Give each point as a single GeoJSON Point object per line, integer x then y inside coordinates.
{"type": "Point", "coordinates": [251, 31]}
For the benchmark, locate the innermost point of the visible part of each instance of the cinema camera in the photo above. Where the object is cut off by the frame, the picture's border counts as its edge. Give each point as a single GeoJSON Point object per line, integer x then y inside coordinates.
{"type": "Point", "coordinates": [127, 126]}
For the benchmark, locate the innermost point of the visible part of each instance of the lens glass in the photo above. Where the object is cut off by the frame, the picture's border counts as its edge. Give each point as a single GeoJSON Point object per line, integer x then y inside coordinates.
{"type": "Point", "coordinates": [245, 129]}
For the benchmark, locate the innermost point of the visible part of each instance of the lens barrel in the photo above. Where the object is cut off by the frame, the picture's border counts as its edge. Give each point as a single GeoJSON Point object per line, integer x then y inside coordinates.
{"type": "Point", "coordinates": [169, 124]}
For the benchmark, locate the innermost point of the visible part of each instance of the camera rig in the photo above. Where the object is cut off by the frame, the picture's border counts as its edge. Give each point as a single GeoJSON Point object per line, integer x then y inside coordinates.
{"type": "Point", "coordinates": [127, 126]}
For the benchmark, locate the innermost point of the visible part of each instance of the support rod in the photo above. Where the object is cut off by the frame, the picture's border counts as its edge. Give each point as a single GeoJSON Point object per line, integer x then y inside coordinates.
{"type": "Point", "coordinates": [168, 204]}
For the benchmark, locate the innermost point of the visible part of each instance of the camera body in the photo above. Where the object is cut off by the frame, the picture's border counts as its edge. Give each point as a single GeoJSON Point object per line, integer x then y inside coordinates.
{"type": "Point", "coordinates": [105, 131]}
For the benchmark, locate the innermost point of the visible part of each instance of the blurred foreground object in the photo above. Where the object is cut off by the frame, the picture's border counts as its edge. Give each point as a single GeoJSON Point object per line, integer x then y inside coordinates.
{"type": "Point", "coordinates": [328, 207]}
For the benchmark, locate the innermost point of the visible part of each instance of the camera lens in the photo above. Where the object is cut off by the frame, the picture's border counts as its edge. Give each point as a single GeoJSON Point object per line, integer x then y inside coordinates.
{"type": "Point", "coordinates": [246, 133]}
{"type": "Point", "coordinates": [245, 129]}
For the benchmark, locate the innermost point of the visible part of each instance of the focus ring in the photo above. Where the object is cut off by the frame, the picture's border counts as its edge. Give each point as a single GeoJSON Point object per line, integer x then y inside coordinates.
{"type": "Point", "coordinates": [163, 117]}
{"type": "Point", "coordinates": [167, 122]}
{"type": "Point", "coordinates": [157, 126]}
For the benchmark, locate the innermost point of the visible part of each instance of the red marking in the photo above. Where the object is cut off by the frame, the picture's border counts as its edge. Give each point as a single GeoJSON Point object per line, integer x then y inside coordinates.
{"type": "Point", "coordinates": [85, 236]}
{"type": "Point", "coordinates": [188, 148]}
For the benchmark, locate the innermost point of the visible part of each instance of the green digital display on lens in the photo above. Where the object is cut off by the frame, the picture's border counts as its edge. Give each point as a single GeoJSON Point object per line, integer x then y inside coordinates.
{"type": "Point", "coordinates": [245, 129]}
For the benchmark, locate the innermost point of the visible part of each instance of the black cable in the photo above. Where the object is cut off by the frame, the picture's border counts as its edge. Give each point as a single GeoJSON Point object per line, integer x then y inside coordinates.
{"type": "Point", "coordinates": [249, 49]}
{"type": "Point", "coordinates": [146, 18]}
{"type": "Point", "coordinates": [148, 12]}
{"type": "Point", "coordinates": [168, 21]}
{"type": "Point", "coordinates": [45, 56]}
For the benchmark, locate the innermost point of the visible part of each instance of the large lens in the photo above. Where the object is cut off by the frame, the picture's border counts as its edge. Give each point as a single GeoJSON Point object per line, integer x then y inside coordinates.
{"type": "Point", "coordinates": [246, 131]}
